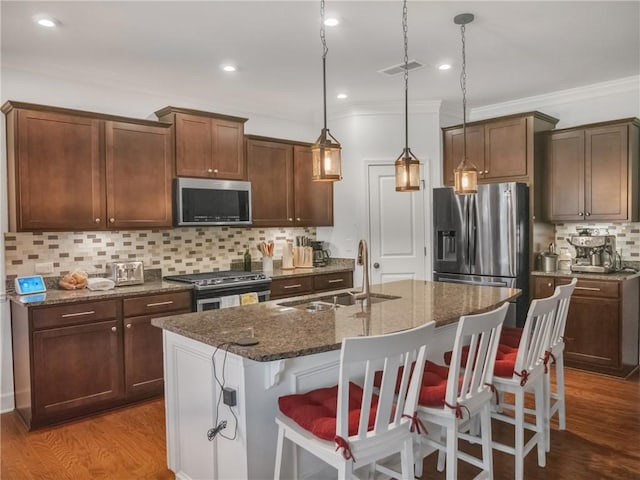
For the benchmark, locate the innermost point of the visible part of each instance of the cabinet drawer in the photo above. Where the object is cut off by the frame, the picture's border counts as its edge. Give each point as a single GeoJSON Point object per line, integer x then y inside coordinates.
{"type": "Point", "coordinates": [333, 281]}
{"type": "Point", "coordinates": [75, 313]}
{"type": "Point", "coordinates": [152, 304]}
{"type": "Point", "coordinates": [593, 288]}
{"type": "Point", "coordinates": [291, 287]}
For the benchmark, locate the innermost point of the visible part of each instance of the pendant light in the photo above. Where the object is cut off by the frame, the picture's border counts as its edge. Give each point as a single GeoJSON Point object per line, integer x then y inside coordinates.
{"type": "Point", "coordinates": [407, 165]}
{"type": "Point", "coordinates": [466, 174]}
{"type": "Point", "coordinates": [326, 151]}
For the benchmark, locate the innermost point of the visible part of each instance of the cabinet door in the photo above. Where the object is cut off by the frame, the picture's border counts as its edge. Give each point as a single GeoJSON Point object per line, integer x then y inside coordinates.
{"type": "Point", "coordinates": [313, 200]}
{"type": "Point", "coordinates": [606, 173]}
{"type": "Point", "coordinates": [453, 151]}
{"type": "Point", "coordinates": [543, 286]}
{"type": "Point", "coordinates": [505, 147]}
{"type": "Point", "coordinates": [270, 171]}
{"type": "Point", "coordinates": [76, 368]}
{"type": "Point", "coordinates": [58, 167]}
{"type": "Point", "coordinates": [566, 176]}
{"type": "Point", "coordinates": [228, 160]}
{"type": "Point", "coordinates": [194, 146]}
{"type": "Point", "coordinates": [143, 367]}
{"type": "Point", "coordinates": [593, 332]}
{"type": "Point", "coordinates": [138, 174]}
{"type": "Point", "coordinates": [291, 287]}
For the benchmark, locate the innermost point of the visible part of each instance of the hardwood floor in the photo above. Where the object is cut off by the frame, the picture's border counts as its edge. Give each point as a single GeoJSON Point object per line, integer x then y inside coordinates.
{"type": "Point", "coordinates": [601, 441]}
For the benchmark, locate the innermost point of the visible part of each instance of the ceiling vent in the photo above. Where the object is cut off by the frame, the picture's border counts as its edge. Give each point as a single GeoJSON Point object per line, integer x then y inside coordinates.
{"type": "Point", "coordinates": [398, 69]}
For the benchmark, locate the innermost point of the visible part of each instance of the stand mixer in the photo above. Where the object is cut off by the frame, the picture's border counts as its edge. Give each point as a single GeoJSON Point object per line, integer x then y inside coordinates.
{"type": "Point", "coordinates": [594, 253]}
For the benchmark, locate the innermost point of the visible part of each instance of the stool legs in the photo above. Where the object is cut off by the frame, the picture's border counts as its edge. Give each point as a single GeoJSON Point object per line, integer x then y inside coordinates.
{"type": "Point", "coordinates": [278, 467]}
{"type": "Point", "coordinates": [519, 437]}
{"type": "Point", "coordinates": [487, 451]}
{"type": "Point", "coordinates": [540, 424]}
{"type": "Point", "coordinates": [562, 419]}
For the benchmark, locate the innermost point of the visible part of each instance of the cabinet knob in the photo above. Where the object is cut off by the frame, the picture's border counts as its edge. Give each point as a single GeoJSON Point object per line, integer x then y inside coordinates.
{"type": "Point", "coordinates": [486, 171]}
{"type": "Point", "coordinates": [112, 220]}
{"type": "Point", "coordinates": [580, 214]}
{"type": "Point", "coordinates": [588, 214]}
{"type": "Point", "coordinates": [291, 219]}
{"type": "Point", "coordinates": [97, 220]}
{"type": "Point", "coordinates": [209, 170]}
{"type": "Point", "coordinates": [114, 329]}
{"type": "Point", "coordinates": [128, 325]}
{"type": "Point", "coordinates": [215, 170]}
{"type": "Point", "coordinates": [549, 284]}
{"type": "Point", "coordinates": [297, 219]}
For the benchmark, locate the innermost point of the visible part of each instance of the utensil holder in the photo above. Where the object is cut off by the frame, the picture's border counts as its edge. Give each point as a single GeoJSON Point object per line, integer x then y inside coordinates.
{"type": "Point", "coordinates": [303, 257]}
{"type": "Point", "coordinates": [267, 264]}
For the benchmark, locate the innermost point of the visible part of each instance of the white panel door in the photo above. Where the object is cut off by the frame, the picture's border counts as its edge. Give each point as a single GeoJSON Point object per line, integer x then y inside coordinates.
{"type": "Point", "coordinates": [396, 229]}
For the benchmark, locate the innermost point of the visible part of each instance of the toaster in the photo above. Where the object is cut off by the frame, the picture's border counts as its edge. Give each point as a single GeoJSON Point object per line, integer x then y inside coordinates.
{"type": "Point", "coordinates": [126, 273]}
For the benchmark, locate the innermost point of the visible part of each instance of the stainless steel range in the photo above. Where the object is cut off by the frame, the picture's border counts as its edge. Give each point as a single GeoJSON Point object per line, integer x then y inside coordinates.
{"type": "Point", "coordinates": [214, 290]}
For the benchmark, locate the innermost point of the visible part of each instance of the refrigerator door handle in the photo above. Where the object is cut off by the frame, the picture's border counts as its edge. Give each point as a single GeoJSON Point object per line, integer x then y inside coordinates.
{"type": "Point", "coordinates": [471, 282]}
{"type": "Point", "coordinates": [474, 231]}
{"type": "Point", "coordinates": [511, 234]}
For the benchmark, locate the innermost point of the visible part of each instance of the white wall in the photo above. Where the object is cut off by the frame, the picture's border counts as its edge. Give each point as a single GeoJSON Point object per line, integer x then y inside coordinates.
{"type": "Point", "coordinates": [375, 132]}
{"type": "Point", "coordinates": [111, 99]}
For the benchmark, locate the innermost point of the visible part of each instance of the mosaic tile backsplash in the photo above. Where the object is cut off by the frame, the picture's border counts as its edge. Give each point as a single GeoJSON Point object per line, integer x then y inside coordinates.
{"type": "Point", "coordinates": [627, 237]}
{"type": "Point", "coordinates": [178, 250]}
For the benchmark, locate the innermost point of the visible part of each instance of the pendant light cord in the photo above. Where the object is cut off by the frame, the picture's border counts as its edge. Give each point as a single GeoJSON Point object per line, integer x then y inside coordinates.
{"type": "Point", "coordinates": [325, 50]}
{"type": "Point", "coordinates": [463, 86]}
{"type": "Point", "coordinates": [405, 31]}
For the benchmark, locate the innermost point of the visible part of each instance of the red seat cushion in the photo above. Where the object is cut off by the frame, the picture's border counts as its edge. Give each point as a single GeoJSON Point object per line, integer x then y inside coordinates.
{"type": "Point", "coordinates": [434, 385]}
{"type": "Point", "coordinates": [511, 336]}
{"type": "Point", "coordinates": [315, 411]}
{"type": "Point", "coordinates": [505, 361]}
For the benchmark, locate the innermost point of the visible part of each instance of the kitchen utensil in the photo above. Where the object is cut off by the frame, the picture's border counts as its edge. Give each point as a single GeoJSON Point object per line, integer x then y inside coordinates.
{"type": "Point", "coordinates": [287, 256]}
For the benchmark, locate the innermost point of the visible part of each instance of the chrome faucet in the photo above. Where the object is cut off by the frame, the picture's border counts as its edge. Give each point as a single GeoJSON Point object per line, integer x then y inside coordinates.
{"type": "Point", "coordinates": [363, 259]}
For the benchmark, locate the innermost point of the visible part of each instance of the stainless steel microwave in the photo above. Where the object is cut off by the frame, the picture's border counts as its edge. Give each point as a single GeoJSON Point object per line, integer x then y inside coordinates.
{"type": "Point", "coordinates": [199, 201]}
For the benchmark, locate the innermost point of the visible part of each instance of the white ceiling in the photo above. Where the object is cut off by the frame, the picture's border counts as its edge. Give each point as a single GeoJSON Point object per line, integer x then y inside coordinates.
{"type": "Point", "coordinates": [514, 49]}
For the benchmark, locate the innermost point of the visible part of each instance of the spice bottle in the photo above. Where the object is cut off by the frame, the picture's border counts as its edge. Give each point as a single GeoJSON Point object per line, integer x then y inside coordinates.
{"type": "Point", "coordinates": [247, 261]}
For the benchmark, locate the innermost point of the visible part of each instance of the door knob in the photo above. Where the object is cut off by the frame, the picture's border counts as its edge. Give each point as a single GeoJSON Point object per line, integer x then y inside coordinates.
{"type": "Point", "coordinates": [376, 265]}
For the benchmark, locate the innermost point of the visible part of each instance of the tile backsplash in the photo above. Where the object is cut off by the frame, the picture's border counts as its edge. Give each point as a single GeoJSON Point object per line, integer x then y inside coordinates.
{"type": "Point", "coordinates": [627, 237]}
{"type": "Point", "coordinates": [178, 250]}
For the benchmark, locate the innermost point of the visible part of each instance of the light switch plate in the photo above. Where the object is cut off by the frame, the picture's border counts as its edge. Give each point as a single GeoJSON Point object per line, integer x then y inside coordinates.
{"type": "Point", "coordinates": [46, 267]}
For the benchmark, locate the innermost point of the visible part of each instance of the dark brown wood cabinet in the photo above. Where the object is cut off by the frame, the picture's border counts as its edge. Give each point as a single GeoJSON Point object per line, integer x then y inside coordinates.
{"type": "Point", "coordinates": [207, 145]}
{"type": "Point", "coordinates": [138, 175]}
{"type": "Point", "coordinates": [501, 148]}
{"type": "Point", "coordinates": [602, 323]}
{"type": "Point", "coordinates": [592, 172]}
{"type": "Point", "coordinates": [73, 170]}
{"type": "Point", "coordinates": [74, 359]}
{"type": "Point", "coordinates": [283, 193]}
{"type": "Point", "coordinates": [304, 285]}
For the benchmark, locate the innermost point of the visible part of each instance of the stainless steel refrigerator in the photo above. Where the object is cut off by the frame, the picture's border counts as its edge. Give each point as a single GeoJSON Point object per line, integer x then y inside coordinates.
{"type": "Point", "coordinates": [483, 239]}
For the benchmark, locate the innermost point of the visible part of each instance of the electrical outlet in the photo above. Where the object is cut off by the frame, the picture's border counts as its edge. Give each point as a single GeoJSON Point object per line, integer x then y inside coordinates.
{"type": "Point", "coordinates": [46, 267]}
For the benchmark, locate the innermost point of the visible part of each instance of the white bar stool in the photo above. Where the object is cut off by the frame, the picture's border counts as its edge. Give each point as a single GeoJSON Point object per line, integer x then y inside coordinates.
{"type": "Point", "coordinates": [350, 423]}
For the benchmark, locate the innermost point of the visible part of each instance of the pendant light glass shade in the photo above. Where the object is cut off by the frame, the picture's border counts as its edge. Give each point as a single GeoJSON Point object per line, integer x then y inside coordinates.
{"type": "Point", "coordinates": [325, 153]}
{"type": "Point", "coordinates": [407, 172]}
{"type": "Point", "coordinates": [465, 178]}
{"type": "Point", "coordinates": [466, 174]}
{"type": "Point", "coordinates": [407, 166]}
{"type": "Point", "coordinates": [326, 158]}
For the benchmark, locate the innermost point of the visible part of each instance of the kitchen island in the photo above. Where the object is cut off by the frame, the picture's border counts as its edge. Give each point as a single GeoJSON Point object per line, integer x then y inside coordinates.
{"type": "Point", "coordinates": [296, 351]}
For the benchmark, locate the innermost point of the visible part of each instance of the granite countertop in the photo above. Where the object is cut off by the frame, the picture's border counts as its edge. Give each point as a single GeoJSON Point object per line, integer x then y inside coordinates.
{"type": "Point", "coordinates": [285, 332]}
{"type": "Point", "coordinates": [304, 272]}
{"type": "Point", "coordinates": [618, 276]}
{"type": "Point", "coordinates": [56, 296]}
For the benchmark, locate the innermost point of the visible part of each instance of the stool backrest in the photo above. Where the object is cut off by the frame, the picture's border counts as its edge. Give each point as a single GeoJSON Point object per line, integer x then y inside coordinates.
{"type": "Point", "coordinates": [535, 333]}
{"type": "Point", "coordinates": [482, 331]}
{"type": "Point", "coordinates": [368, 355]}
{"type": "Point", "coordinates": [557, 332]}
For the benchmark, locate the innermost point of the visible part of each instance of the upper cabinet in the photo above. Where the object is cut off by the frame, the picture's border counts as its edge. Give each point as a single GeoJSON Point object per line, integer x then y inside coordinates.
{"type": "Point", "coordinates": [207, 145]}
{"type": "Point", "coordinates": [73, 170]}
{"type": "Point", "coordinates": [501, 148]}
{"type": "Point", "coordinates": [282, 191]}
{"type": "Point", "coordinates": [592, 172]}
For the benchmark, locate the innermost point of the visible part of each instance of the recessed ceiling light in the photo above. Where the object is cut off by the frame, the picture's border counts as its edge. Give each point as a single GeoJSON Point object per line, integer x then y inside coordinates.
{"type": "Point", "coordinates": [331, 22]}
{"type": "Point", "coordinates": [45, 21]}
{"type": "Point", "coordinates": [342, 96]}
{"type": "Point", "coordinates": [229, 68]}
{"type": "Point", "coordinates": [444, 66]}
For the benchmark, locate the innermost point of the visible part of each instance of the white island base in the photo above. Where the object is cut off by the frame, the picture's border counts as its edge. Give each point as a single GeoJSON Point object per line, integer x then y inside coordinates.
{"type": "Point", "coordinates": [191, 396]}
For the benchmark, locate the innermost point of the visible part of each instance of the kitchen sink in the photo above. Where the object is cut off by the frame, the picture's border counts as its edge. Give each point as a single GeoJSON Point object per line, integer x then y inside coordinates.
{"type": "Point", "coordinates": [329, 302]}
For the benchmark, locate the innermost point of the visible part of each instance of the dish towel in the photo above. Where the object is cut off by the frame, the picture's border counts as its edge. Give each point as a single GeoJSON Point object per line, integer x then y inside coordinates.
{"type": "Point", "coordinates": [249, 298]}
{"type": "Point", "coordinates": [230, 301]}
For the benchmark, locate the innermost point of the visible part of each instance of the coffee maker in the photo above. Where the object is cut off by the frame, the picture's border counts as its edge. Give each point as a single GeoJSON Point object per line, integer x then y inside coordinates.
{"type": "Point", "coordinates": [594, 253]}
{"type": "Point", "coordinates": [320, 255]}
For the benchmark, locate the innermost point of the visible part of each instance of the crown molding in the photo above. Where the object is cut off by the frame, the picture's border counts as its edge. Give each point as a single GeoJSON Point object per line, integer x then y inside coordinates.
{"type": "Point", "coordinates": [388, 108]}
{"type": "Point", "coordinates": [538, 102]}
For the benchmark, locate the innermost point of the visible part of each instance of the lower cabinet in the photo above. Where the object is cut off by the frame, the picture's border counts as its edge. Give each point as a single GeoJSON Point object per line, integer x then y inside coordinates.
{"type": "Point", "coordinates": [74, 359]}
{"type": "Point", "coordinates": [305, 285]}
{"type": "Point", "coordinates": [602, 323]}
